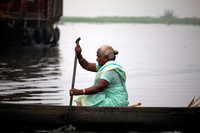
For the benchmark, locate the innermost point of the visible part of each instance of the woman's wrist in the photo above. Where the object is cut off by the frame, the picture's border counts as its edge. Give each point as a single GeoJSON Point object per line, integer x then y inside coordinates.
{"type": "Point", "coordinates": [81, 59]}
{"type": "Point", "coordinates": [79, 56]}
{"type": "Point", "coordinates": [83, 91]}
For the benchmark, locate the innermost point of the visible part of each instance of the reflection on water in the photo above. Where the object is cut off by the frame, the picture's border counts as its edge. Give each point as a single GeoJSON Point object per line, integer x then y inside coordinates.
{"type": "Point", "coordinates": [26, 73]}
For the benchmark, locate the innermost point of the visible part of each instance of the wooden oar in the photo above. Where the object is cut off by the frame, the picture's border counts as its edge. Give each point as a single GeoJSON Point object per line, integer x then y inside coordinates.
{"type": "Point", "coordinates": [191, 104]}
{"type": "Point", "coordinates": [74, 71]}
{"type": "Point", "coordinates": [134, 105]}
{"type": "Point", "coordinates": [69, 127]}
{"type": "Point", "coordinates": [73, 80]}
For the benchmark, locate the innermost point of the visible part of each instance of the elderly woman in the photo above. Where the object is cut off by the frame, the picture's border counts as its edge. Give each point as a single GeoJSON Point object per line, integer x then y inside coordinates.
{"type": "Point", "coordinates": [109, 88]}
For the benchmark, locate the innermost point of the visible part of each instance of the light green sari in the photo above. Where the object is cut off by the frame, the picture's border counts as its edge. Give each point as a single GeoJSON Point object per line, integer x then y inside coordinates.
{"type": "Point", "coordinates": [113, 95]}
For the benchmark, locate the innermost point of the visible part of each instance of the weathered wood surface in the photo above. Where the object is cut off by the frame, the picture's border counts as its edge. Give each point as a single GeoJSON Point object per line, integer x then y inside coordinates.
{"type": "Point", "coordinates": [98, 118]}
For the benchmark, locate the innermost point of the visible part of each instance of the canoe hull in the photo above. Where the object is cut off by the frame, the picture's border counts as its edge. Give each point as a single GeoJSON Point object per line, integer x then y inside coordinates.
{"type": "Point", "coordinates": [100, 118]}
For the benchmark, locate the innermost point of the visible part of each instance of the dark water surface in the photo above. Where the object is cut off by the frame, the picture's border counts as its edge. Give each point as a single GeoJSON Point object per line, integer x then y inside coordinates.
{"type": "Point", "coordinates": [29, 75]}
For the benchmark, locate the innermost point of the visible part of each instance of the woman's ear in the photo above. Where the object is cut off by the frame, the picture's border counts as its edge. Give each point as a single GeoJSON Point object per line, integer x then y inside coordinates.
{"type": "Point", "coordinates": [107, 58]}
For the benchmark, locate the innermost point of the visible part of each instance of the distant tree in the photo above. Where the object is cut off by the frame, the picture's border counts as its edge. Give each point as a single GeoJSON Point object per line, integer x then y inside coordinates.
{"type": "Point", "coordinates": [168, 13]}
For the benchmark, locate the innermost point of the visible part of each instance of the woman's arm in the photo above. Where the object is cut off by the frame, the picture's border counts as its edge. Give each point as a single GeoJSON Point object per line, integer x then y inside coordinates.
{"type": "Point", "coordinates": [87, 65]}
{"type": "Point", "coordinates": [83, 62]}
{"type": "Point", "coordinates": [101, 85]}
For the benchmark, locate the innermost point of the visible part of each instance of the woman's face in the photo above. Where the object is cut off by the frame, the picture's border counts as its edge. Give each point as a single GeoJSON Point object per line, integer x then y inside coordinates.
{"type": "Point", "coordinates": [101, 59]}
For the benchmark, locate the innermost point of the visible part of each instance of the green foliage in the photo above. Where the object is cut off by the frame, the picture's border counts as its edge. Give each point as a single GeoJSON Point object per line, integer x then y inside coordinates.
{"type": "Point", "coordinates": [151, 20]}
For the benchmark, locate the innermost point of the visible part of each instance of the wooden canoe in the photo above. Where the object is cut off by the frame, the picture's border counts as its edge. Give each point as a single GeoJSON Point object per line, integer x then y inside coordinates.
{"type": "Point", "coordinates": [23, 116]}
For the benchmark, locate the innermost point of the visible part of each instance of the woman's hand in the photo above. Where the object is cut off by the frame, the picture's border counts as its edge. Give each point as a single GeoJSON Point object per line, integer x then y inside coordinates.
{"type": "Point", "coordinates": [78, 49]}
{"type": "Point", "coordinates": [101, 85]}
{"type": "Point", "coordinates": [74, 91]}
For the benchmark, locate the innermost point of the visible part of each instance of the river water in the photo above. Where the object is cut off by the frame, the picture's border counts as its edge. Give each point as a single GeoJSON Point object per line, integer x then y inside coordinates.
{"type": "Point", "coordinates": [162, 64]}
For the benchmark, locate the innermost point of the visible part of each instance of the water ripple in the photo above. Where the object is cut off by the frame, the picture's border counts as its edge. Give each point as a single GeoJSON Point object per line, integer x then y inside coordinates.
{"type": "Point", "coordinates": [26, 75]}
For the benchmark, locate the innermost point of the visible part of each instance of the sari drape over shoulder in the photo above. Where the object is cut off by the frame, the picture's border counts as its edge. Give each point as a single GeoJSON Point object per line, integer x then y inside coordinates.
{"type": "Point", "coordinates": [113, 95]}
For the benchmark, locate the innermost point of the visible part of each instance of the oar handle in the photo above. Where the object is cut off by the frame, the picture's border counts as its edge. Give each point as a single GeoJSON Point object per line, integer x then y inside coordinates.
{"type": "Point", "coordinates": [73, 78]}
{"type": "Point", "coordinates": [77, 40]}
{"type": "Point", "coordinates": [74, 70]}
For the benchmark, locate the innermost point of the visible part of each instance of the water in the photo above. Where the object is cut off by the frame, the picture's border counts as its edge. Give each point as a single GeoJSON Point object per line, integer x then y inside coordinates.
{"type": "Point", "coordinates": [162, 63]}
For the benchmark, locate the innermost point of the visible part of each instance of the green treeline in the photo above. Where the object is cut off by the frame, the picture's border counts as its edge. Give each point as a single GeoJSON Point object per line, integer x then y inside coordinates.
{"type": "Point", "coordinates": [149, 20]}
